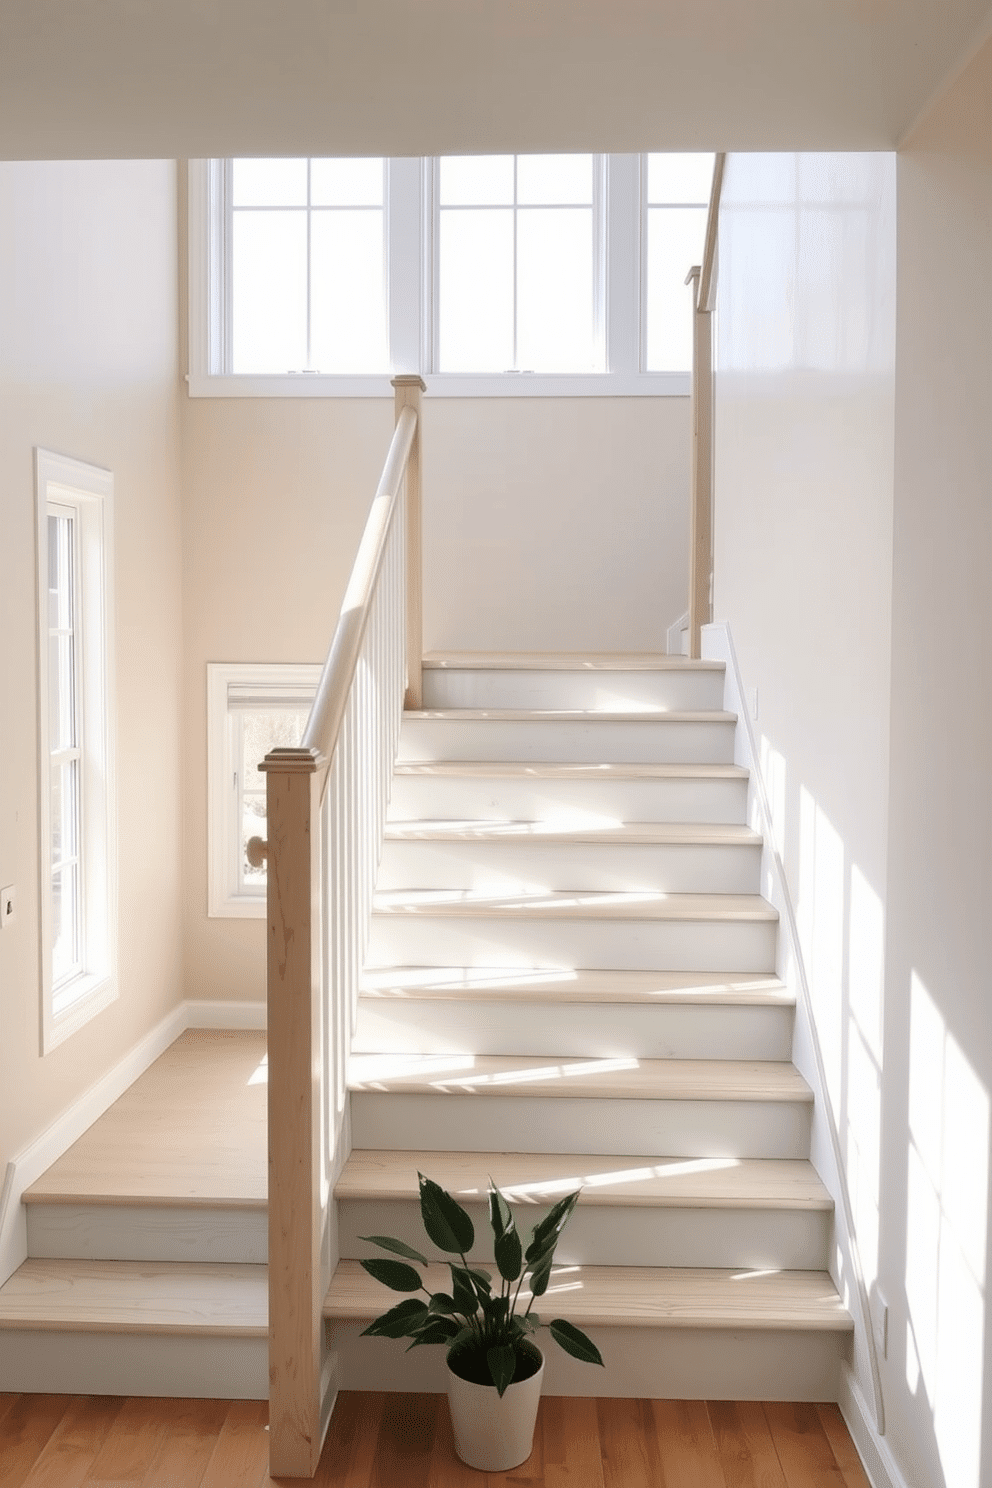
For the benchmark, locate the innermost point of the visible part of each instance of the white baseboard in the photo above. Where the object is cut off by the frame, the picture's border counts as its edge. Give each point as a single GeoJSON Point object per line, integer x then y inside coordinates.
{"type": "Point", "coordinates": [29, 1164]}
{"type": "Point", "coordinates": [873, 1449]}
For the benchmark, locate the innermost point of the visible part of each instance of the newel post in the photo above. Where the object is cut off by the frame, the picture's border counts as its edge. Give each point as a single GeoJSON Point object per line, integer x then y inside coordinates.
{"type": "Point", "coordinates": [409, 394]}
{"type": "Point", "coordinates": [293, 779]}
{"type": "Point", "coordinates": [701, 512]}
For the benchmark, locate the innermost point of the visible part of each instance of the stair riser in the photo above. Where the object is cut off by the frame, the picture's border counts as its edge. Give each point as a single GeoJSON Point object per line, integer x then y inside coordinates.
{"type": "Point", "coordinates": [604, 1235]}
{"type": "Point", "coordinates": [681, 688]}
{"type": "Point", "coordinates": [665, 741]}
{"type": "Point", "coordinates": [597, 1030]}
{"type": "Point", "coordinates": [506, 798]}
{"type": "Point", "coordinates": [641, 1363]}
{"type": "Point", "coordinates": [676, 945]}
{"type": "Point", "coordinates": [103, 1232]}
{"type": "Point", "coordinates": [510, 867]}
{"type": "Point", "coordinates": [517, 1123]}
{"type": "Point", "coordinates": [89, 1363]}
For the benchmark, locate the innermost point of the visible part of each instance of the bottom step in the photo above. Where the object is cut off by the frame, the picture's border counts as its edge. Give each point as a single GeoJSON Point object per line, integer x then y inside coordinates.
{"type": "Point", "coordinates": [135, 1328]}
{"type": "Point", "coordinates": [664, 1334]}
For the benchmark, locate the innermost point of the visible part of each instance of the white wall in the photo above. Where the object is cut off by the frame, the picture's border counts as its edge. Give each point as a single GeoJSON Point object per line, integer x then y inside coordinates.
{"type": "Point", "coordinates": [88, 368]}
{"type": "Point", "coordinates": [548, 524]}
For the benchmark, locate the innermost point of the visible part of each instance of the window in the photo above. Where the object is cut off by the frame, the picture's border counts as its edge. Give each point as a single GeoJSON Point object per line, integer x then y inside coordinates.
{"type": "Point", "coordinates": [77, 890]}
{"type": "Point", "coordinates": [499, 275]}
{"type": "Point", "coordinates": [252, 707]}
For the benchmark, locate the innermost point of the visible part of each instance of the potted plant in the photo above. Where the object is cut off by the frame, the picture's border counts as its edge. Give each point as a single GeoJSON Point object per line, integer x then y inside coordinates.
{"type": "Point", "coordinates": [495, 1368]}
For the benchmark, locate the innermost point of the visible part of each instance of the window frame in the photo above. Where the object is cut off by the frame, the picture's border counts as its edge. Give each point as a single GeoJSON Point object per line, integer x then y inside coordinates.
{"type": "Point", "coordinates": [411, 215]}
{"type": "Point", "coordinates": [275, 682]}
{"type": "Point", "coordinates": [87, 492]}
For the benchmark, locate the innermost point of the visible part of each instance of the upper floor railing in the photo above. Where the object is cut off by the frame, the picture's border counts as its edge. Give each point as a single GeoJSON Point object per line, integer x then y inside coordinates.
{"type": "Point", "coordinates": [325, 814]}
{"type": "Point", "coordinates": [703, 280]}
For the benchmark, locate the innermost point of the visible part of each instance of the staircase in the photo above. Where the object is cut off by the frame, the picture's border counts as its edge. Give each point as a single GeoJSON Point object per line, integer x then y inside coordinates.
{"type": "Point", "coordinates": [571, 980]}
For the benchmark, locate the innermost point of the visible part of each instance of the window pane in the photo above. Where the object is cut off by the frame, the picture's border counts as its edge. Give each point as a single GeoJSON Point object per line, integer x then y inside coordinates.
{"type": "Point", "coordinates": [554, 290]}
{"type": "Point", "coordinates": [680, 178]}
{"type": "Point", "coordinates": [675, 244]}
{"type": "Point", "coordinates": [476, 180]}
{"type": "Point", "coordinates": [269, 183]}
{"type": "Point", "coordinates": [262, 730]}
{"type": "Point", "coordinates": [476, 309]}
{"type": "Point", "coordinates": [547, 179]}
{"type": "Point", "coordinates": [347, 293]}
{"type": "Point", "coordinates": [346, 183]}
{"type": "Point", "coordinates": [270, 291]}
{"type": "Point", "coordinates": [65, 810]}
{"type": "Point", "coordinates": [61, 693]}
{"type": "Point", "coordinates": [65, 923]}
{"type": "Point", "coordinates": [60, 564]}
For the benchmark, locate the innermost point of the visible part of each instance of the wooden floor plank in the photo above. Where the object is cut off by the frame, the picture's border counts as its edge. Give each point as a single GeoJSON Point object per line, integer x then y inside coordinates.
{"type": "Point", "coordinates": [25, 1431]}
{"type": "Point", "coordinates": [240, 1458]}
{"type": "Point", "coordinates": [744, 1445]}
{"type": "Point", "coordinates": [131, 1443]}
{"type": "Point", "coordinates": [8, 1399]}
{"type": "Point", "coordinates": [628, 1445]}
{"type": "Point", "coordinates": [806, 1455]}
{"type": "Point", "coordinates": [188, 1445]}
{"type": "Point", "coordinates": [352, 1440]}
{"type": "Point", "coordinates": [846, 1453]}
{"type": "Point", "coordinates": [571, 1446]}
{"type": "Point", "coordinates": [686, 1444]}
{"type": "Point", "coordinates": [73, 1447]}
{"type": "Point", "coordinates": [405, 1442]}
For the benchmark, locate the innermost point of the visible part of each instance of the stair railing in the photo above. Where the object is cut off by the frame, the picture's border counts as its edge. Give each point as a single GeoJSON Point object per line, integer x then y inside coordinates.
{"type": "Point", "coordinates": [703, 280]}
{"type": "Point", "coordinates": [326, 806]}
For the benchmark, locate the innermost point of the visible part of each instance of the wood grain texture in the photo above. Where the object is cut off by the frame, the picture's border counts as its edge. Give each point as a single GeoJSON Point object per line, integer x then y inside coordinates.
{"type": "Point", "coordinates": [382, 1440]}
{"type": "Point", "coordinates": [640, 1297]}
{"type": "Point", "coordinates": [563, 770]}
{"type": "Point", "coordinates": [552, 833]}
{"type": "Point", "coordinates": [191, 1128]}
{"type": "Point", "coordinates": [578, 715]}
{"type": "Point", "coordinates": [580, 904]}
{"type": "Point", "coordinates": [604, 1079]}
{"type": "Point", "coordinates": [564, 661]}
{"type": "Point", "coordinates": [541, 1178]}
{"type": "Point", "coordinates": [510, 984]}
{"type": "Point", "coordinates": [177, 1297]}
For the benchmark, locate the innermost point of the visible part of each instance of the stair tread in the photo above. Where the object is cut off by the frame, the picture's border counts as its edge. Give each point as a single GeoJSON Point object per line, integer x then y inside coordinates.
{"type": "Point", "coordinates": [513, 984]}
{"type": "Point", "coordinates": [566, 661]}
{"type": "Point", "coordinates": [639, 904]}
{"type": "Point", "coordinates": [640, 1296]}
{"type": "Point", "coordinates": [605, 1079]}
{"type": "Point", "coordinates": [541, 1178]}
{"type": "Point", "coordinates": [564, 770]}
{"type": "Point", "coordinates": [559, 832]}
{"type": "Point", "coordinates": [216, 1298]}
{"type": "Point", "coordinates": [576, 715]}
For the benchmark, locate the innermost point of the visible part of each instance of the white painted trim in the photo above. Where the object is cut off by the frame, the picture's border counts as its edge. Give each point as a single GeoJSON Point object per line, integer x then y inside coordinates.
{"type": "Point", "coordinates": [846, 1269]}
{"type": "Point", "coordinates": [878, 1461]}
{"type": "Point", "coordinates": [28, 1165]}
{"type": "Point", "coordinates": [444, 385]}
{"type": "Point", "coordinates": [676, 637]}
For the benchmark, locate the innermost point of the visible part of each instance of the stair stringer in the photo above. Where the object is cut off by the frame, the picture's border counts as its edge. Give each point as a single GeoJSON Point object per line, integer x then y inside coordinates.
{"type": "Point", "coordinates": [861, 1387]}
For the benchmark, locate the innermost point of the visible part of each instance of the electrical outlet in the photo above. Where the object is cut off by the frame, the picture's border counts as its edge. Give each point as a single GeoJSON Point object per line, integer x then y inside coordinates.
{"type": "Point", "coordinates": [8, 904]}
{"type": "Point", "coordinates": [880, 1321]}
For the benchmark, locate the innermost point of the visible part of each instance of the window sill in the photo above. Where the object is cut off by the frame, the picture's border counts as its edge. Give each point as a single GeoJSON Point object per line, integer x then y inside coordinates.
{"type": "Point", "coordinates": [446, 385]}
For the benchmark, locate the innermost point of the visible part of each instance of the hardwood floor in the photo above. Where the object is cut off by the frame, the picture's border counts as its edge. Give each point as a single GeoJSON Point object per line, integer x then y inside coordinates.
{"type": "Point", "coordinates": [404, 1441]}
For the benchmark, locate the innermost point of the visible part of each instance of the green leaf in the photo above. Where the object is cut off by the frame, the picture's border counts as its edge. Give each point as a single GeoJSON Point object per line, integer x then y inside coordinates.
{"type": "Point", "coordinates": [483, 1279]}
{"type": "Point", "coordinates": [550, 1227]}
{"type": "Point", "coordinates": [385, 1242]}
{"type": "Point", "coordinates": [574, 1341]}
{"type": "Point", "coordinates": [502, 1361]}
{"type": "Point", "coordinates": [463, 1336]}
{"type": "Point", "coordinates": [466, 1298]}
{"type": "Point", "coordinates": [445, 1220]}
{"type": "Point", "coordinates": [527, 1322]}
{"type": "Point", "coordinates": [509, 1255]}
{"type": "Point", "coordinates": [442, 1302]}
{"type": "Point", "coordinates": [439, 1330]}
{"type": "Point", "coordinates": [541, 1275]}
{"type": "Point", "coordinates": [394, 1274]}
{"type": "Point", "coordinates": [500, 1216]}
{"type": "Point", "coordinates": [400, 1321]}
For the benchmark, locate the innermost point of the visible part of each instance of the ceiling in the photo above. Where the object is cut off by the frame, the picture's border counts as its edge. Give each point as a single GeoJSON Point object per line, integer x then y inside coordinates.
{"type": "Point", "coordinates": [175, 78]}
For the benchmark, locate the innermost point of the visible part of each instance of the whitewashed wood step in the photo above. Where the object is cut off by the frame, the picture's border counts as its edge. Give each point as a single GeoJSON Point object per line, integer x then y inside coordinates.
{"type": "Point", "coordinates": [510, 857]}
{"type": "Point", "coordinates": [644, 930]}
{"type": "Point", "coordinates": [529, 680]}
{"type": "Point", "coordinates": [97, 1327]}
{"type": "Point", "coordinates": [111, 1229]}
{"type": "Point", "coordinates": [679, 1108]}
{"type": "Point", "coordinates": [667, 1212]}
{"type": "Point", "coordinates": [663, 1015]}
{"type": "Point", "coordinates": [539, 790]}
{"type": "Point", "coordinates": [578, 735]}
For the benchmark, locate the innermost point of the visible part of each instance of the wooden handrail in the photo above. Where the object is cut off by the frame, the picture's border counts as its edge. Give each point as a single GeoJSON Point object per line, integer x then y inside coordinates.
{"type": "Point", "coordinates": [703, 281]}
{"type": "Point", "coordinates": [324, 723]}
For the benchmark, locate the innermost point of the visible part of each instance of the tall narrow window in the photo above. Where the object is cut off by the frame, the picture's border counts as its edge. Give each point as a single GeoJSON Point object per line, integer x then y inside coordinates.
{"type": "Point", "coordinates": [676, 195]}
{"type": "Point", "coordinates": [307, 266]}
{"type": "Point", "coordinates": [519, 264]}
{"type": "Point", "coordinates": [75, 726]}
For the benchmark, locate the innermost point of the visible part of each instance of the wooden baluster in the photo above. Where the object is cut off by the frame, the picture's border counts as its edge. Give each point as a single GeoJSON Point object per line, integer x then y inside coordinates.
{"type": "Point", "coordinates": [409, 391]}
{"type": "Point", "coordinates": [701, 515]}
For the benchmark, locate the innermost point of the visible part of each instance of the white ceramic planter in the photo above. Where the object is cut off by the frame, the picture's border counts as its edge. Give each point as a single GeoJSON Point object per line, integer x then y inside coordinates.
{"type": "Point", "coordinates": [493, 1433]}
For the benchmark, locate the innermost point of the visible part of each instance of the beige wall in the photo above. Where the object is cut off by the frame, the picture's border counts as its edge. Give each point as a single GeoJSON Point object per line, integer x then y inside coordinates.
{"type": "Point", "coordinates": [88, 368]}
{"type": "Point", "coordinates": [938, 1050]}
{"type": "Point", "coordinates": [549, 523]}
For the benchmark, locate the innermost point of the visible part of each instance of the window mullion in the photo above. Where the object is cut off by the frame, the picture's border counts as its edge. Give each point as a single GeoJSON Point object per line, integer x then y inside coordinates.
{"type": "Point", "coordinates": [516, 244]}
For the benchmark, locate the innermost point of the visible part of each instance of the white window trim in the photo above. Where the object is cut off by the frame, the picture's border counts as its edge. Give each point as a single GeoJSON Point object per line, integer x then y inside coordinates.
{"type": "Point", "coordinates": [89, 491]}
{"type": "Point", "coordinates": [225, 899]}
{"type": "Point", "coordinates": [411, 216]}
